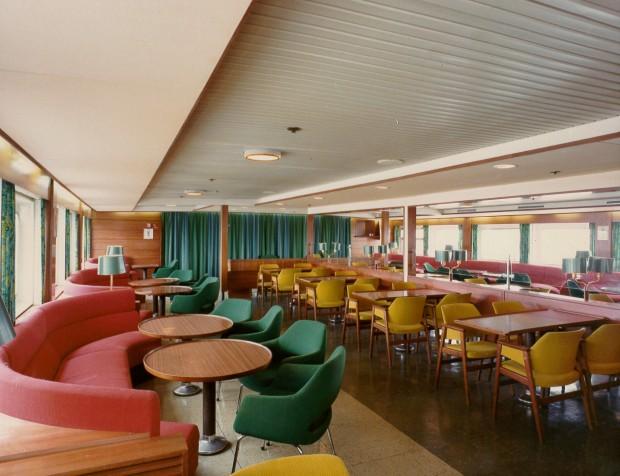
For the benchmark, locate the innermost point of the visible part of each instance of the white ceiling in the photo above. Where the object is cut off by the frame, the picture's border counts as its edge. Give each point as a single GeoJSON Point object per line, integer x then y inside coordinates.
{"type": "Point", "coordinates": [96, 91]}
{"type": "Point", "coordinates": [390, 79]}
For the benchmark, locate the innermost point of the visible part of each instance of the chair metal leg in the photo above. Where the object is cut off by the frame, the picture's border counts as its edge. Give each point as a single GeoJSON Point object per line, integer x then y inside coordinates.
{"type": "Point", "coordinates": [301, 452]}
{"type": "Point", "coordinates": [331, 441]}
{"type": "Point", "coordinates": [237, 445]}
{"type": "Point", "coordinates": [239, 397]}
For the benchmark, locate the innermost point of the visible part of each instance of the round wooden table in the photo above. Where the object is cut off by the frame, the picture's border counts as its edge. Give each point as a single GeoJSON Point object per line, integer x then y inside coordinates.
{"type": "Point", "coordinates": [160, 293]}
{"type": "Point", "coordinates": [185, 327]}
{"type": "Point", "coordinates": [152, 282]}
{"type": "Point", "coordinates": [145, 268]}
{"type": "Point", "coordinates": [208, 361]}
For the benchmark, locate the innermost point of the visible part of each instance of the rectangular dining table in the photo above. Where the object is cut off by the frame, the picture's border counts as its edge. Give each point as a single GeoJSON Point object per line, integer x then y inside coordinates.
{"type": "Point", "coordinates": [374, 296]}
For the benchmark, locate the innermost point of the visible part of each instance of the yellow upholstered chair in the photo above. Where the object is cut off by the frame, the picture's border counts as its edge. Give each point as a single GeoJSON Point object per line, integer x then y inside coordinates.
{"type": "Point", "coordinates": [457, 343]}
{"type": "Point", "coordinates": [329, 295]}
{"type": "Point", "coordinates": [476, 280]}
{"type": "Point", "coordinates": [432, 313]}
{"type": "Point", "coordinates": [551, 362]}
{"type": "Point", "coordinates": [264, 282]}
{"type": "Point", "coordinates": [345, 272]}
{"type": "Point", "coordinates": [303, 465]}
{"type": "Point", "coordinates": [358, 312]}
{"type": "Point", "coordinates": [283, 284]}
{"type": "Point", "coordinates": [402, 285]}
{"type": "Point", "coordinates": [508, 307]}
{"type": "Point", "coordinates": [602, 356]}
{"type": "Point", "coordinates": [299, 297]}
{"type": "Point", "coordinates": [307, 266]}
{"type": "Point", "coordinates": [600, 297]}
{"type": "Point", "coordinates": [375, 282]}
{"type": "Point", "coordinates": [405, 317]}
{"type": "Point", "coordinates": [321, 271]}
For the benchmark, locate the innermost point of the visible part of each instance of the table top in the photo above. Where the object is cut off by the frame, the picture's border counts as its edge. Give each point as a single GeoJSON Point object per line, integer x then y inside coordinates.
{"type": "Point", "coordinates": [318, 279]}
{"type": "Point", "coordinates": [391, 295]}
{"type": "Point", "coordinates": [164, 290]}
{"type": "Point", "coordinates": [523, 322]}
{"type": "Point", "coordinates": [147, 283]}
{"type": "Point", "coordinates": [207, 360]}
{"type": "Point", "coordinates": [185, 326]}
{"type": "Point", "coordinates": [144, 266]}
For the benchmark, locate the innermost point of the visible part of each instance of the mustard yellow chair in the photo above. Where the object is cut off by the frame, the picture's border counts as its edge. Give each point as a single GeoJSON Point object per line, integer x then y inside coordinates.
{"type": "Point", "coordinates": [475, 280]}
{"type": "Point", "coordinates": [402, 285]}
{"type": "Point", "coordinates": [601, 297]}
{"type": "Point", "coordinates": [307, 266]}
{"type": "Point", "coordinates": [458, 344]}
{"type": "Point", "coordinates": [282, 284]}
{"type": "Point", "coordinates": [602, 357]}
{"type": "Point", "coordinates": [508, 307]}
{"type": "Point", "coordinates": [322, 272]}
{"type": "Point", "coordinates": [345, 272]}
{"type": "Point", "coordinates": [433, 314]}
{"type": "Point", "coordinates": [551, 362]}
{"type": "Point", "coordinates": [328, 295]}
{"type": "Point", "coordinates": [300, 296]}
{"type": "Point", "coordinates": [263, 282]}
{"type": "Point", "coordinates": [303, 465]}
{"type": "Point", "coordinates": [358, 312]}
{"type": "Point", "coordinates": [405, 316]}
{"type": "Point", "coordinates": [375, 282]}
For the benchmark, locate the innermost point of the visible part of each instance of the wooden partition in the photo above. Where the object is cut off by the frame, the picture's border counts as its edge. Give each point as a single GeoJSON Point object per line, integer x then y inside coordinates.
{"type": "Point", "coordinates": [242, 273]}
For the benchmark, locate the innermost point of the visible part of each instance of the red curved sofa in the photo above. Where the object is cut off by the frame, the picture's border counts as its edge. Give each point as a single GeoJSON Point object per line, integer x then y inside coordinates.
{"type": "Point", "coordinates": [69, 365]}
{"type": "Point", "coordinates": [87, 281]}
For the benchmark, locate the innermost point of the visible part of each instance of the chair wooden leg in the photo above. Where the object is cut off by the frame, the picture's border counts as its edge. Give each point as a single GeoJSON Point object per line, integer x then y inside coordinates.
{"type": "Point", "coordinates": [536, 411]}
{"type": "Point", "coordinates": [585, 396]}
{"type": "Point", "coordinates": [496, 388]}
{"type": "Point", "coordinates": [314, 309]}
{"type": "Point", "coordinates": [439, 364]}
{"type": "Point", "coordinates": [588, 380]}
{"type": "Point", "coordinates": [428, 347]}
{"type": "Point", "coordinates": [480, 369]}
{"type": "Point", "coordinates": [465, 379]}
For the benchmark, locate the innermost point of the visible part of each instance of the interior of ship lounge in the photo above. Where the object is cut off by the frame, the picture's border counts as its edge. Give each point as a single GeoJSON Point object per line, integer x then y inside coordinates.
{"type": "Point", "coordinates": [311, 238]}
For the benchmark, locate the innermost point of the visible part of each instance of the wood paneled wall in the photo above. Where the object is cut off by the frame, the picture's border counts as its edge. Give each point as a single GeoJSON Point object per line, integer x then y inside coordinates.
{"type": "Point", "coordinates": [127, 229]}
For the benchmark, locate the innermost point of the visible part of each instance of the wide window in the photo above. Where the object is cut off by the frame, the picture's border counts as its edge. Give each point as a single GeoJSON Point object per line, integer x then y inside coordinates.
{"type": "Point", "coordinates": [441, 235]}
{"type": "Point", "coordinates": [419, 240]}
{"type": "Point", "coordinates": [550, 242]}
{"type": "Point", "coordinates": [27, 267]}
{"type": "Point", "coordinates": [498, 242]}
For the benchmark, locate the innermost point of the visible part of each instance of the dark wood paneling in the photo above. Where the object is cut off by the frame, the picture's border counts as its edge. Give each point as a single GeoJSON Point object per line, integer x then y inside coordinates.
{"type": "Point", "coordinates": [242, 273]}
{"type": "Point", "coordinates": [127, 229]}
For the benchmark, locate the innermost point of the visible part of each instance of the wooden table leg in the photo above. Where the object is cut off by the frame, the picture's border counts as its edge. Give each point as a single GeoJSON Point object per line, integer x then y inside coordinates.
{"type": "Point", "coordinates": [210, 443]}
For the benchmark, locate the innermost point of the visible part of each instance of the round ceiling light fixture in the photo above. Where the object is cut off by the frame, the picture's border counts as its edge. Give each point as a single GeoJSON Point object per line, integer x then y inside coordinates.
{"type": "Point", "coordinates": [318, 197]}
{"type": "Point", "coordinates": [194, 193]}
{"type": "Point", "coordinates": [504, 166]}
{"type": "Point", "coordinates": [390, 161]}
{"type": "Point", "coordinates": [262, 155]}
{"type": "Point", "coordinates": [381, 187]}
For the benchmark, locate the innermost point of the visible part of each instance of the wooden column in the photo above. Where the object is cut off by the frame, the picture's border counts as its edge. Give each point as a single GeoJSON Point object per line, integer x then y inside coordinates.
{"type": "Point", "coordinates": [310, 235]}
{"type": "Point", "coordinates": [224, 249]}
{"type": "Point", "coordinates": [50, 245]}
{"type": "Point", "coordinates": [411, 238]}
{"type": "Point", "coordinates": [385, 227]}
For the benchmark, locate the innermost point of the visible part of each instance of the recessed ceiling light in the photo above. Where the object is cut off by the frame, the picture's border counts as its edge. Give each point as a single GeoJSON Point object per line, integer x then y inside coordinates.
{"type": "Point", "coordinates": [390, 161]}
{"type": "Point", "coordinates": [504, 166]}
{"type": "Point", "coordinates": [194, 193]}
{"type": "Point", "coordinates": [382, 187]}
{"type": "Point", "coordinates": [318, 198]}
{"type": "Point", "coordinates": [262, 155]}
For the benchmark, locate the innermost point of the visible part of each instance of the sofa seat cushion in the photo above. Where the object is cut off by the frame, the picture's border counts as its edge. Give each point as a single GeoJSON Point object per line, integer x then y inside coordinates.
{"type": "Point", "coordinates": [191, 435]}
{"type": "Point", "coordinates": [106, 368]}
{"type": "Point", "coordinates": [135, 345]}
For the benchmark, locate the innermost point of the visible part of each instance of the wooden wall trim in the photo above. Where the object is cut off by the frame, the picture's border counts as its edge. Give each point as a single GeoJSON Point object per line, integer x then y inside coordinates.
{"type": "Point", "coordinates": [411, 239]}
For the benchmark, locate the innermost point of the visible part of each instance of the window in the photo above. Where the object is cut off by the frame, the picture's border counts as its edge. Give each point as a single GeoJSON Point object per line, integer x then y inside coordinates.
{"type": "Point", "coordinates": [497, 242]}
{"type": "Point", "coordinates": [27, 266]}
{"type": "Point", "coordinates": [441, 235]}
{"type": "Point", "coordinates": [550, 242]}
{"type": "Point", "coordinates": [419, 240]}
{"type": "Point", "coordinates": [73, 261]}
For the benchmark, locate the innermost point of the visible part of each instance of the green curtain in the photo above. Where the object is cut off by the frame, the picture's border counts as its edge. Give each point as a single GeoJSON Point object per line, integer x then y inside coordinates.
{"type": "Point", "coordinates": [332, 229]}
{"type": "Point", "coordinates": [524, 243]}
{"type": "Point", "coordinates": [425, 235]}
{"type": "Point", "coordinates": [43, 212]}
{"type": "Point", "coordinates": [75, 229]}
{"type": "Point", "coordinates": [7, 247]}
{"type": "Point", "coordinates": [593, 239]}
{"type": "Point", "coordinates": [67, 243]}
{"type": "Point", "coordinates": [86, 244]}
{"type": "Point", "coordinates": [397, 229]}
{"type": "Point", "coordinates": [474, 241]}
{"type": "Point", "coordinates": [615, 244]}
{"type": "Point", "coordinates": [265, 235]}
{"type": "Point", "coordinates": [243, 235]}
{"type": "Point", "coordinates": [194, 239]}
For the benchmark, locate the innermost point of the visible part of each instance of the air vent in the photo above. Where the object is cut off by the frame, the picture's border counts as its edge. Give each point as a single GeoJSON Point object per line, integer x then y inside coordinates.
{"type": "Point", "coordinates": [530, 207]}
{"type": "Point", "coordinates": [612, 202]}
{"type": "Point", "coordinates": [465, 210]}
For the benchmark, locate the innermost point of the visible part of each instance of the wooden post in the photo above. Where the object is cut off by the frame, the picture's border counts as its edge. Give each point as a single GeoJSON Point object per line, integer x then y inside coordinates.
{"type": "Point", "coordinates": [411, 239]}
{"type": "Point", "coordinates": [310, 235]}
{"type": "Point", "coordinates": [467, 236]}
{"type": "Point", "coordinates": [50, 245]}
{"type": "Point", "coordinates": [385, 227]}
{"type": "Point", "coordinates": [224, 250]}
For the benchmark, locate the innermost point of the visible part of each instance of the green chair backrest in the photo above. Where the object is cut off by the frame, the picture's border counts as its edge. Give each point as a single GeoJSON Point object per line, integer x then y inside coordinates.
{"type": "Point", "coordinates": [212, 290]}
{"type": "Point", "coordinates": [174, 264]}
{"type": "Point", "coordinates": [235, 309]}
{"type": "Point", "coordinates": [429, 268]}
{"type": "Point", "coordinates": [304, 337]}
{"type": "Point", "coordinates": [200, 281]}
{"type": "Point", "coordinates": [574, 289]}
{"type": "Point", "coordinates": [272, 319]}
{"type": "Point", "coordinates": [183, 275]}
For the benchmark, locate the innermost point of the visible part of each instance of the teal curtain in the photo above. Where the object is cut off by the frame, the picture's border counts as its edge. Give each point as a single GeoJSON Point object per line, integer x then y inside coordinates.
{"type": "Point", "coordinates": [474, 241]}
{"type": "Point", "coordinates": [67, 243]}
{"type": "Point", "coordinates": [266, 235]}
{"type": "Point", "coordinates": [243, 235]}
{"type": "Point", "coordinates": [86, 244]}
{"type": "Point", "coordinates": [75, 229]}
{"type": "Point", "coordinates": [593, 239]}
{"type": "Point", "coordinates": [7, 247]}
{"type": "Point", "coordinates": [615, 244]}
{"type": "Point", "coordinates": [425, 237]}
{"type": "Point", "coordinates": [397, 229]}
{"type": "Point", "coordinates": [332, 229]}
{"type": "Point", "coordinates": [524, 243]}
{"type": "Point", "coordinates": [43, 212]}
{"type": "Point", "coordinates": [194, 239]}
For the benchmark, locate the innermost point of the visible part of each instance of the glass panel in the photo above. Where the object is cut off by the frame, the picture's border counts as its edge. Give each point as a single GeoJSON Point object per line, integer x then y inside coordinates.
{"type": "Point", "coordinates": [550, 242]}
{"type": "Point", "coordinates": [497, 242]}
{"type": "Point", "coordinates": [441, 235]}
{"type": "Point", "coordinates": [25, 253]}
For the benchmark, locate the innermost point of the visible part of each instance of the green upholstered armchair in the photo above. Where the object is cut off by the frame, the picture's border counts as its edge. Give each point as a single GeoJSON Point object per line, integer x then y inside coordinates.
{"type": "Point", "coordinates": [200, 281]}
{"type": "Point", "coordinates": [574, 289]}
{"type": "Point", "coordinates": [183, 275]}
{"type": "Point", "coordinates": [200, 301]}
{"type": "Point", "coordinates": [165, 271]}
{"type": "Point", "coordinates": [237, 310]}
{"type": "Point", "coordinates": [300, 418]}
{"type": "Point", "coordinates": [266, 328]}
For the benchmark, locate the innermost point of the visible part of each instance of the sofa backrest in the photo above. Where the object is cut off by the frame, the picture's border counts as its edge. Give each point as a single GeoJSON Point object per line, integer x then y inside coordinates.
{"type": "Point", "coordinates": [55, 329]}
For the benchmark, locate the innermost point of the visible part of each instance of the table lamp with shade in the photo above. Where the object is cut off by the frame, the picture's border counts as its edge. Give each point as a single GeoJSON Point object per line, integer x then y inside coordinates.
{"type": "Point", "coordinates": [114, 250]}
{"type": "Point", "coordinates": [598, 265]}
{"type": "Point", "coordinates": [109, 265]}
{"type": "Point", "coordinates": [448, 256]}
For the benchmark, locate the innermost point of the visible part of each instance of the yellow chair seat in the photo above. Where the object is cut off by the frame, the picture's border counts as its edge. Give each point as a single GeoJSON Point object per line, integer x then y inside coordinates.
{"type": "Point", "coordinates": [400, 328]}
{"type": "Point", "coordinates": [325, 304]}
{"type": "Point", "coordinates": [543, 380]}
{"type": "Point", "coordinates": [285, 289]}
{"type": "Point", "coordinates": [477, 350]}
{"type": "Point", "coordinates": [306, 465]}
{"type": "Point", "coordinates": [604, 368]}
{"type": "Point", "coordinates": [365, 315]}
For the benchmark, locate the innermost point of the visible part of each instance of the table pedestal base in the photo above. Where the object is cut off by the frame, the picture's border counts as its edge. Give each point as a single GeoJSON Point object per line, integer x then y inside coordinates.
{"type": "Point", "coordinates": [212, 445]}
{"type": "Point", "coordinates": [187, 390]}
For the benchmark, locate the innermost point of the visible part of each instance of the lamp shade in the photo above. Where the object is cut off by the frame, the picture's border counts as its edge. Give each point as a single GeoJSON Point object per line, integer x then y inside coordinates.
{"type": "Point", "coordinates": [568, 265]}
{"type": "Point", "coordinates": [443, 256]}
{"type": "Point", "coordinates": [599, 264]}
{"type": "Point", "coordinates": [448, 247]}
{"type": "Point", "coordinates": [582, 254]}
{"type": "Point", "coordinates": [114, 250]}
{"type": "Point", "coordinates": [110, 265]}
{"type": "Point", "coordinates": [459, 255]}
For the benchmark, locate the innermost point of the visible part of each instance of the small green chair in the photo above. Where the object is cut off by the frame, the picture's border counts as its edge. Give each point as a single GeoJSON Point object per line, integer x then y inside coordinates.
{"type": "Point", "coordinates": [200, 281]}
{"type": "Point", "coordinates": [574, 289]}
{"type": "Point", "coordinates": [237, 310]}
{"type": "Point", "coordinates": [201, 301]}
{"type": "Point", "coordinates": [300, 418]}
{"type": "Point", "coordinates": [165, 271]}
{"type": "Point", "coordinates": [302, 343]}
{"type": "Point", "coordinates": [266, 328]}
{"type": "Point", "coordinates": [183, 275]}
